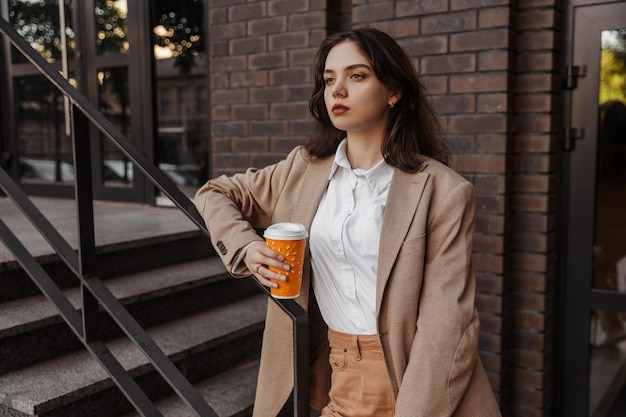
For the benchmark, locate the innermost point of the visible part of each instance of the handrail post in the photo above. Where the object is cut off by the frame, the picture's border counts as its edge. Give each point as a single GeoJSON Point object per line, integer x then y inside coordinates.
{"type": "Point", "coordinates": [301, 362]}
{"type": "Point", "coordinates": [86, 234]}
{"type": "Point", "coordinates": [301, 403]}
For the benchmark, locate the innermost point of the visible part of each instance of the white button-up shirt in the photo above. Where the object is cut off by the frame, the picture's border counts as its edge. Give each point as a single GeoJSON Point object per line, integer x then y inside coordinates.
{"type": "Point", "coordinates": [344, 240]}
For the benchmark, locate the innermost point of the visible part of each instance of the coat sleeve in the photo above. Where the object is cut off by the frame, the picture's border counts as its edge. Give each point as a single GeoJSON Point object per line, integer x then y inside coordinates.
{"type": "Point", "coordinates": [232, 207]}
{"type": "Point", "coordinates": [443, 353]}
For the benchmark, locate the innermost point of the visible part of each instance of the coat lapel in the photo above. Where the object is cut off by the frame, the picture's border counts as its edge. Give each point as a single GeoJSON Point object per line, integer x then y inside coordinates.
{"type": "Point", "coordinates": [402, 201]}
{"type": "Point", "coordinates": [314, 184]}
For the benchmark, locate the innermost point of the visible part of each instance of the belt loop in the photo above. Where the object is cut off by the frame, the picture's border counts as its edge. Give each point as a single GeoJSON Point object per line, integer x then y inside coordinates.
{"type": "Point", "coordinates": [355, 339]}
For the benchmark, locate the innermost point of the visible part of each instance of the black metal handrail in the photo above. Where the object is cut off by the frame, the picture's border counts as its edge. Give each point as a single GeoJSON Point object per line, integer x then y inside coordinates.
{"type": "Point", "coordinates": [84, 323]}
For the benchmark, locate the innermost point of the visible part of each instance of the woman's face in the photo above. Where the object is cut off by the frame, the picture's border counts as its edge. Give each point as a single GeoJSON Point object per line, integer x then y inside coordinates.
{"type": "Point", "coordinates": [356, 101]}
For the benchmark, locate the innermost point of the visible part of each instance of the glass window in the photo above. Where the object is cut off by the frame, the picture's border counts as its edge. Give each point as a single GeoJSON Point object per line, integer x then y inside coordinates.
{"type": "Point", "coordinates": [45, 150]}
{"type": "Point", "coordinates": [114, 102]}
{"type": "Point", "coordinates": [181, 62]}
{"type": "Point", "coordinates": [183, 101]}
{"type": "Point", "coordinates": [38, 23]}
{"type": "Point", "coordinates": [165, 100]}
{"type": "Point", "coordinates": [111, 29]}
{"type": "Point", "coordinates": [201, 100]}
{"type": "Point", "coordinates": [179, 32]}
{"type": "Point", "coordinates": [608, 328]}
{"type": "Point", "coordinates": [610, 235]}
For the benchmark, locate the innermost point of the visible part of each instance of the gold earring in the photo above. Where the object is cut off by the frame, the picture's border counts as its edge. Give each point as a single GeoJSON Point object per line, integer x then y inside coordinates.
{"type": "Point", "coordinates": [391, 104]}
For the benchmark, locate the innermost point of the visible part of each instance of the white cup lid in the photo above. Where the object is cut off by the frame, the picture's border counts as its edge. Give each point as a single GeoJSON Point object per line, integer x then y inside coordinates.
{"type": "Point", "coordinates": [286, 231]}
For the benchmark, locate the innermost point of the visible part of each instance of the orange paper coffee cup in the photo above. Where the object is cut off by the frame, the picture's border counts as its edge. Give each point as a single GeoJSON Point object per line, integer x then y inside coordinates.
{"type": "Point", "coordinates": [288, 239]}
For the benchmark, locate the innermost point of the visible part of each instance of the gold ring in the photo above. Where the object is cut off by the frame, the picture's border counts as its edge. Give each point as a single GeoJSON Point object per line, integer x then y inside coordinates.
{"type": "Point", "coordinates": [257, 268]}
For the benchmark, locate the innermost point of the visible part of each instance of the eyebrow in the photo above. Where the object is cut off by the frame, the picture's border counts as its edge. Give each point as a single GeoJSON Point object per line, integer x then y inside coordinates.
{"type": "Point", "coordinates": [349, 68]}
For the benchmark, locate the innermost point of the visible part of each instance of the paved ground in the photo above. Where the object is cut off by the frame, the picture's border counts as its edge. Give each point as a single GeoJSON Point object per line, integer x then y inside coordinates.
{"type": "Point", "coordinates": [114, 222]}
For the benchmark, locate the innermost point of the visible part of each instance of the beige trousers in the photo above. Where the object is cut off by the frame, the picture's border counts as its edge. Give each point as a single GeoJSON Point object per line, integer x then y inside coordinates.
{"type": "Point", "coordinates": [360, 384]}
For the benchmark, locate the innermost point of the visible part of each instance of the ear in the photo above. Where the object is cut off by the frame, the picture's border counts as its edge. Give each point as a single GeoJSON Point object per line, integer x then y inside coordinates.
{"type": "Point", "coordinates": [395, 96]}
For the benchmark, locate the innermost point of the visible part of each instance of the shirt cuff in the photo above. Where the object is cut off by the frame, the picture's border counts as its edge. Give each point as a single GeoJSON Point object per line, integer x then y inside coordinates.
{"type": "Point", "coordinates": [239, 267]}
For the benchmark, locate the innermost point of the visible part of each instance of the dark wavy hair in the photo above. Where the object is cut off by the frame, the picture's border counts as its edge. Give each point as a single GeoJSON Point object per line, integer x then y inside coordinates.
{"type": "Point", "coordinates": [412, 130]}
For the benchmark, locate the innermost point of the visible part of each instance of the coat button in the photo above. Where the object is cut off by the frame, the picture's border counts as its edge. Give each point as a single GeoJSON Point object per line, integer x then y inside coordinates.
{"type": "Point", "coordinates": [222, 248]}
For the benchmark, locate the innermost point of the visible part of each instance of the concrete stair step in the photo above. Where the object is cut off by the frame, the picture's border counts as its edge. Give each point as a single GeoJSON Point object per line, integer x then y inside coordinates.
{"type": "Point", "coordinates": [230, 393]}
{"type": "Point", "coordinates": [203, 344]}
{"type": "Point", "coordinates": [32, 331]}
{"type": "Point", "coordinates": [117, 227]}
{"type": "Point", "coordinates": [113, 259]}
{"type": "Point", "coordinates": [36, 311]}
{"type": "Point", "coordinates": [156, 262]}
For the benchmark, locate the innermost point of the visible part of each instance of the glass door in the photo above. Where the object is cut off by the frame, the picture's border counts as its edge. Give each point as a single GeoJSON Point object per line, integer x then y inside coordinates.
{"type": "Point", "coordinates": [608, 325]}
{"type": "Point", "coordinates": [118, 78]}
{"type": "Point", "coordinates": [182, 77]}
{"type": "Point", "coordinates": [36, 138]}
{"type": "Point", "coordinates": [90, 41]}
{"type": "Point", "coordinates": [592, 358]}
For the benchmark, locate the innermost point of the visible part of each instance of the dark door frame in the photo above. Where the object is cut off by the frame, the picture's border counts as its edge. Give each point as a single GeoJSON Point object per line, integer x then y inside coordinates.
{"type": "Point", "coordinates": [576, 297]}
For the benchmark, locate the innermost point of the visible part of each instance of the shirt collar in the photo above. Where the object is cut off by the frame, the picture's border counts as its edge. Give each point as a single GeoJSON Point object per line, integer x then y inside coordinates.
{"type": "Point", "coordinates": [378, 177]}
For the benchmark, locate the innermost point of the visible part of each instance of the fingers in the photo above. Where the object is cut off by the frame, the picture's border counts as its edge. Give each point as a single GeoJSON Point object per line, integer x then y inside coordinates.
{"type": "Point", "coordinates": [259, 258]}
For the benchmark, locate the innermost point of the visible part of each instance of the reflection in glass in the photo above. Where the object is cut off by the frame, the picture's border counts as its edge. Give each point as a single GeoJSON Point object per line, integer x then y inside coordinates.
{"type": "Point", "coordinates": [610, 232]}
{"type": "Point", "coordinates": [38, 23]}
{"type": "Point", "coordinates": [114, 102]}
{"type": "Point", "coordinates": [111, 29]}
{"type": "Point", "coordinates": [608, 334]}
{"type": "Point", "coordinates": [608, 352]}
{"type": "Point", "coordinates": [179, 49]}
{"type": "Point", "coordinates": [45, 151]}
{"type": "Point", "coordinates": [179, 32]}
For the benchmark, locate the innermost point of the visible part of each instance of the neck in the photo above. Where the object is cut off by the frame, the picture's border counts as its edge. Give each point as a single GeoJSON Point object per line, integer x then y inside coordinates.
{"type": "Point", "coordinates": [363, 154]}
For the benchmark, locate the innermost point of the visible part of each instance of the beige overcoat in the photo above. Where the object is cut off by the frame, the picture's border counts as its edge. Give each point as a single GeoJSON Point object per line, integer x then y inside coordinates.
{"type": "Point", "coordinates": [427, 322]}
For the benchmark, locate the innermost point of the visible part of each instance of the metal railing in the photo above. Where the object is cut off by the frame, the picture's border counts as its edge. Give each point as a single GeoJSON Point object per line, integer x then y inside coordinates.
{"type": "Point", "coordinates": [84, 321]}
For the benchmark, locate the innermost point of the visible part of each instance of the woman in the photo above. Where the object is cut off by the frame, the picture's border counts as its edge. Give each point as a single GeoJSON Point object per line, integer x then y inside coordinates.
{"type": "Point", "coordinates": [389, 285]}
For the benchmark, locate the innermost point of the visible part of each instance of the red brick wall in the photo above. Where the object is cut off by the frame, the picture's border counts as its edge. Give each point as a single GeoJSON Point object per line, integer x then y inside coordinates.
{"type": "Point", "coordinates": [491, 67]}
{"type": "Point", "coordinates": [261, 79]}
{"type": "Point", "coordinates": [533, 206]}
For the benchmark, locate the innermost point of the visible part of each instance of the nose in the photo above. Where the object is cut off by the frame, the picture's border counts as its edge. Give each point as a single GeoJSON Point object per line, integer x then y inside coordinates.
{"type": "Point", "coordinates": [339, 89]}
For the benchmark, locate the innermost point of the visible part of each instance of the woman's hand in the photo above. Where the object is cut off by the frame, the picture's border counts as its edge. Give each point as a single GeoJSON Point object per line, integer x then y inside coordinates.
{"type": "Point", "coordinates": [259, 258]}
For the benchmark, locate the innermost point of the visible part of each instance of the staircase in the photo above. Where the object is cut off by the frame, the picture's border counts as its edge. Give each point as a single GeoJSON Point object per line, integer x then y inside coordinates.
{"type": "Point", "coordinates": [168, 277]}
